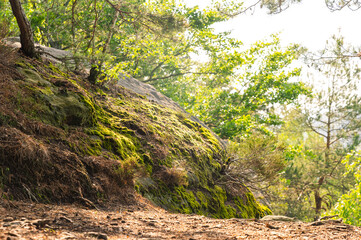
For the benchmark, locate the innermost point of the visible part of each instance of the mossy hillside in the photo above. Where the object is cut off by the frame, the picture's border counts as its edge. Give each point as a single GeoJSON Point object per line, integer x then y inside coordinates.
{"type": "Point", "coordinates": [115, 135]}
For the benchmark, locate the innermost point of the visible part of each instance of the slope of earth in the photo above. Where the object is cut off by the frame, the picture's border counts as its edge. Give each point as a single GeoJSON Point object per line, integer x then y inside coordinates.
{"type": "Point", "coordinates": [64, 140]}
{"type": "Point", "coordinates": [144, 221]}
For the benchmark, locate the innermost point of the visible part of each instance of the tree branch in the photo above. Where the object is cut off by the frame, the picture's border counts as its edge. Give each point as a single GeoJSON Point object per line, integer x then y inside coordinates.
{"type": "Point", "coordinates": [178, 74]}
{"type": "Point", "coordinates": [313, 129]}
{"type": "Point", "coordinates": [240, 12]}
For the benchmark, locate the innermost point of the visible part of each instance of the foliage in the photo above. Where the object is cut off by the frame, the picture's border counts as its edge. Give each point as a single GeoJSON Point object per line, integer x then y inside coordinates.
{"type": "Point", "coordinates": [277, 6]}
{"type": "Point", "coordinates": [146, 39]}
{"type": "Point", "coordinates": [243, 90]}
{"type": "Point", "coordinates": [4, 30]}
{"type": "Point", "coordinates": [255, 160]}
{"type": "Point", "coordinates": [336, 5]}
{"type": "Point", "coordinates": [348, 207]}
{"type": "Point", "coordinates": [293, 194]}
{"type": "Point", "coordinates": [323, 131]}
{"type": "Point", "coordinates": [235, 7]}
{"type": "Point", "coordinates": [334, 112]}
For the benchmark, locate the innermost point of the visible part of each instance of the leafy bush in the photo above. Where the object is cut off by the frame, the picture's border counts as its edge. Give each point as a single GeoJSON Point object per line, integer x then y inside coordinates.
{"type": "Point", "coordinates": [255, 159]}
{"type": "Point", "coordinates": [349, 205]}
{"type": "Point", "coordinates": [4, 30]}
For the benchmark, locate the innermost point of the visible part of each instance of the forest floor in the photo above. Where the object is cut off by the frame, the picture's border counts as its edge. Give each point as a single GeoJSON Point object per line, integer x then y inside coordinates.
{"type": "Point", "coordinates": [25, 220]}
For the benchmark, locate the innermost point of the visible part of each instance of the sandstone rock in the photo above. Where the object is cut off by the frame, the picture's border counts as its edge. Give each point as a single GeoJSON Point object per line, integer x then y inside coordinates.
{"type": "Point", "coordinates": [279, 218]}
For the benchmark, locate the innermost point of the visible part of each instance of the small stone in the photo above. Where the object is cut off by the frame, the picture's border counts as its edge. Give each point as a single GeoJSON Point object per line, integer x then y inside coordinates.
{"type": "Point", "coordinates": [116, 229]}
{"type": "Point", "coordinates": [152, 224]}
{"type": "Point", "coordinates": [40, 223]}
{"type": "Point", "coordinates": [279, 218]}
{"type": "Point", "coordinates": [97, 235]}
{"type": "Point", "coordinates": [11, 238]}
{"type": "Point", "coordinates": [67, 235]}
{"type": "Point", "coordinates": [65, 219]}
{"type": "Point", "coordinates": [13, 234]}
{"type": "Point", "coordinates": [14, 223]}
{"type": "Point", "coordinates": [8, 219]}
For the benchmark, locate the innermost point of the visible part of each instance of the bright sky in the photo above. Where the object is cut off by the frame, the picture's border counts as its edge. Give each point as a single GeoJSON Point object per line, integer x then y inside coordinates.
{"type": "Point", "coordinates": [309, 23]}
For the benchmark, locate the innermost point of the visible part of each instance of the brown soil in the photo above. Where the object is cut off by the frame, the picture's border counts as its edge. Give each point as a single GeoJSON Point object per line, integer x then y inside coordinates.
{"type": "Point", "coordinates": [24, 220]}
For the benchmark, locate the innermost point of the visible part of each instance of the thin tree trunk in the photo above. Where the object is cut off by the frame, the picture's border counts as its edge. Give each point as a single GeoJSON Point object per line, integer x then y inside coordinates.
{"type": "Point", "coordinates": [26, 34]}
{"type": "Point", "coordinates": [318, 198]}
{"type": "Point", "coordinates": [95, 71]}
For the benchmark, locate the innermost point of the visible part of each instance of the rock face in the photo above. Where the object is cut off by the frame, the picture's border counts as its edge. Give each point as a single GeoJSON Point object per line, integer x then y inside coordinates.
{"type": "Point", "coordinates": [89, 144]}
{"type": "Point", "coordinates": [149, 91]}
{"type": "Point", "coordinates": [53, 54]}
{"type": "Point", "coordinates": [153, 95]}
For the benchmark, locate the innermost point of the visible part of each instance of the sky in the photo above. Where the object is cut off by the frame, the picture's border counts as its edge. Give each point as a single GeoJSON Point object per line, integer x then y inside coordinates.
{"type": "Point", "coordinates": [309, 23]}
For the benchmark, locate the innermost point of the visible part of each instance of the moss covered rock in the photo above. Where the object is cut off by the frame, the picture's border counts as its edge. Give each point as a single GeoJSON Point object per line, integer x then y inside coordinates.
{"type": "Point", "coordinates": [108, 139]}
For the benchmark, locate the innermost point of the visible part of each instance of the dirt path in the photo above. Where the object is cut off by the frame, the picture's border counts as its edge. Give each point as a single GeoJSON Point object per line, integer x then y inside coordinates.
{"type": "Point", "coordinates": [38, 221]}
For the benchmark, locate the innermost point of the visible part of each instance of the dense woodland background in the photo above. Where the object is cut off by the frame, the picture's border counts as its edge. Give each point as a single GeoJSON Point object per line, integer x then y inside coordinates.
{"type": "Point", "coordinates": [293, 137]}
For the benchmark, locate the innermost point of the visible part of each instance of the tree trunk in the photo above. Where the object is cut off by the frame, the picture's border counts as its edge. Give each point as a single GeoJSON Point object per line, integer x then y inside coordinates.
{"type": "Point", "coordinates": [318, 198]}
{"type": "Point", "coordinates": [26, 34]}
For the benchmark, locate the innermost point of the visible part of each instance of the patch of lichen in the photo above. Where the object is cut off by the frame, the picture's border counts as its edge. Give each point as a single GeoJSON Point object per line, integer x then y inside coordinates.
{"type": "Point", "coordinates": [116, 124]}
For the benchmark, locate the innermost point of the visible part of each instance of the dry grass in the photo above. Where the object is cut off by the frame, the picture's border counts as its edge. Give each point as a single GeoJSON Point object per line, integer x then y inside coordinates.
{"type": "Point", "coordinates": [36, 161]}
{"type": "Point", "coordinates": [172, 176]}
{"type": "Point", "coordinates": [21, 148]}
{"type": "Point", "coordinates": [8, 58]}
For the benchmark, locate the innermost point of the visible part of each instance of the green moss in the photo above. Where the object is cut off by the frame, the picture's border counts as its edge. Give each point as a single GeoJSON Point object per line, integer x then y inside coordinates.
{"type": "Point", "coordinates": [56, 107]}
{"type": "Point", "coordinates": [250, 208]}
{"type": "Point", "coordinates": [121, 144]}
{"type": "Point", "coordinates": [189, 203]}
{"type": "Point", "coordinates": [24, 64]}
{"type": "Point", "coordinates": [202, 199]}
{"type": "Point", "coordinates": [33, 77]}
{"type": "Point", "coordinates": [56, 70]}
{"type": "Point", "coordinates": [148, 162]}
